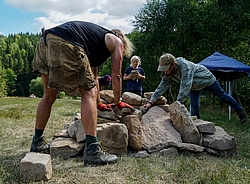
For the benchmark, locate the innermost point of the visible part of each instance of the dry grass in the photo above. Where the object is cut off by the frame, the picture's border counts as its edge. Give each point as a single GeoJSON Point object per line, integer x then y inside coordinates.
{"type": "Point", "coordinates": [17, 117]}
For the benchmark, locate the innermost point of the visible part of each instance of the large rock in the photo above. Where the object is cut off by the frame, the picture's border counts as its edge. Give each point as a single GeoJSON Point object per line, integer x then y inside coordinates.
{"type": "Point", "coordinates": [187, 146]}
{"type": "Point", "coordinates": [164, 107]}
{"type": "Point", "coordinates": [157, 128]}
{"type": "Point", "coordinates": [65, 147]}
{"type": "Point", "coordinates": [219, 140]}
{"type": "Point", "coordinates": [170, 152]}
{"type": "Point", "coordinates": [160, 101]}
{"type": "Point", "coordinates": [127, 111]}
{"type": "Point", "coordinates": [205, 126]}
{"type": "Point", "coordinates": [107, 95]}
{"type": "Point", "coordinates": [35, 167]}
{"type": "Point", "coordinates": [131, 98]}
{"type": "Point", "coordinates": [161, 128]}
{"type": "Point", "coordinates": [134, 127]}
{"type": "Point", "coordinates": [114, 137]}
{"type": "Point", "coordinates": [76, 130]}
{"type": "Point", "coordinates": [111, 115]}
{"type": "Point", "coordinates": [183, 123]}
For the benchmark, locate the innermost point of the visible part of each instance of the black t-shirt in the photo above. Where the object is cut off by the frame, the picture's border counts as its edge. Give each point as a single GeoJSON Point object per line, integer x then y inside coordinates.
{"type": "Point", "coordinates": [87, 35]}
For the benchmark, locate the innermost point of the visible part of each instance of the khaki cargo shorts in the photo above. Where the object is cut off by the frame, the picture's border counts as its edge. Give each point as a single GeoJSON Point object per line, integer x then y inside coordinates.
{"type": "Point", "coordinates": [67, 65]}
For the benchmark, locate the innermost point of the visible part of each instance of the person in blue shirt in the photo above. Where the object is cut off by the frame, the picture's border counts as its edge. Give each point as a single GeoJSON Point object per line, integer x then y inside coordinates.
{"type": "Point", "coordinates": [193, 78]}
{"type": "Point", "coordinates": [134, 75]}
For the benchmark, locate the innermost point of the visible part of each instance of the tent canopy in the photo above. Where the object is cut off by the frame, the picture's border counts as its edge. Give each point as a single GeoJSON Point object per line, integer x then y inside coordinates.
{"type": "Point", "coordinates": [224, 67]}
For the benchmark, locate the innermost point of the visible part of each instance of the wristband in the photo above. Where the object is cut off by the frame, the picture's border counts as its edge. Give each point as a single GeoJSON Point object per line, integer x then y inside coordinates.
{"type": "Point", "coordinates": [150, 103]}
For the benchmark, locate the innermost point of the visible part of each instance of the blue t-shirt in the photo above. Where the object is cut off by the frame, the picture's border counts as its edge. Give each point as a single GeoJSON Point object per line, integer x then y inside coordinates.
{"type": "Point", "coordinates": [134, 85]}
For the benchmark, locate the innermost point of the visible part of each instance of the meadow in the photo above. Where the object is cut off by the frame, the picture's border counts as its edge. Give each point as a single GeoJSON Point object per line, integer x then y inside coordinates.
{"type": "Point", "coordinates": [17, 121]}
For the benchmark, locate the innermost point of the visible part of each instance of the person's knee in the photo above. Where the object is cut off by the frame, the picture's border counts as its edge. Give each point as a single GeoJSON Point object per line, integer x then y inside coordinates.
{"type": "Point", "coordinates": [50, 96]}
{"type": "Point", "coordinates": [92, 93]}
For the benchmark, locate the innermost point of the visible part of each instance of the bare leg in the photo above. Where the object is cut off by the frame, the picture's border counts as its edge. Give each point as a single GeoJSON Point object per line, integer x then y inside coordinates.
{"type": "Point", "coordinates": [88, 110]}
{"type": "Point", "coordinates": [93, 155]}
{"type": "Point", "coordinates": [95, 72]}
{"type": "Point", "coordinates": [42, 117]}
{"type": "Point", "coordinates": [44, 107]}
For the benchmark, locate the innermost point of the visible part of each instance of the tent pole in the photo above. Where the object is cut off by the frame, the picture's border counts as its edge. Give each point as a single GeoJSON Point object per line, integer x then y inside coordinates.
{"type": "Point", "coordinates": [230, 93]}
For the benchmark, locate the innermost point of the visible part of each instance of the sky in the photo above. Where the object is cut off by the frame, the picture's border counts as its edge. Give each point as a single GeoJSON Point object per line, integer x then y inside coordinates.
{"type": "Point", "coordinates": [22, 16]}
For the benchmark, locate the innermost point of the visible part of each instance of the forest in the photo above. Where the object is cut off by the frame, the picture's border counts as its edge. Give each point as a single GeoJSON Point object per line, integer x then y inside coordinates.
{"type": "Point", "coordinates": [193, 29]}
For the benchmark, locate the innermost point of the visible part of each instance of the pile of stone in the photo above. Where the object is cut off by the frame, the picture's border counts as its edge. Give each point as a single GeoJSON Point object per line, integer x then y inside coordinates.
{"type": "Point", "coordinates": [165, 130]}
{"type": "Point", "coordinates": [164, 127]}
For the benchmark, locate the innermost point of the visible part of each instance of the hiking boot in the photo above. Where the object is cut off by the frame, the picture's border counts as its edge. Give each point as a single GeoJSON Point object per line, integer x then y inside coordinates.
{"type": "Point", "coordinates": [94, 155]}
{"type": "Point", "coordinates": [243, 117]}
{"type": "Point", "coordinates": [40, 145]}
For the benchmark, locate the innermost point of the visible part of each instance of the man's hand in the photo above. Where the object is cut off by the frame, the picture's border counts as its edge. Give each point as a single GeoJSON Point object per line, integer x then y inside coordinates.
{"type": "Point", "coordinates": [146, 107]}
{"type": "Point", "coordinates": [122, 105]}
{"type": "Point", "coordinates": [104, 107]}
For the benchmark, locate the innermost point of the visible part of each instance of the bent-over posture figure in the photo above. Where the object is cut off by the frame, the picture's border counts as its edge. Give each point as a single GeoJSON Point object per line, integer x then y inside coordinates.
{"type": "Point", "coordinates": [64, 57]}
{"type": "Point", "coordinates": [192, 79]}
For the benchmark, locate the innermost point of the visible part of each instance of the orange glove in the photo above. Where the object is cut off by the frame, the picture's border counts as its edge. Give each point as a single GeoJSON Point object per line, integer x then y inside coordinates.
{"type": "Point", "coordinates": [122, 105]}
{"type": "Point", "coordinates": [104, 107]}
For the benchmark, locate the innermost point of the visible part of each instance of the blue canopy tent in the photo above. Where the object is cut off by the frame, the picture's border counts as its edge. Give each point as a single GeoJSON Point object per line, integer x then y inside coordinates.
{"type": "Point", "coordinates": [226, 68]}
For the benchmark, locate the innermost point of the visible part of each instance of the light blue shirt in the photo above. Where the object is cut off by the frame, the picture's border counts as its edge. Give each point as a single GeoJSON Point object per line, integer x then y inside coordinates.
{"type": "Point", "coordinates": [189, 75]}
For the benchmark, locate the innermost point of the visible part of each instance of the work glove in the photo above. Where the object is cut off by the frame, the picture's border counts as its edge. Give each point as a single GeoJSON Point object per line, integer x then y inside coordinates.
{"type": "Point", "coordinates": [104, 107]}
{"type": "Point", "coordinates": [122, 105]}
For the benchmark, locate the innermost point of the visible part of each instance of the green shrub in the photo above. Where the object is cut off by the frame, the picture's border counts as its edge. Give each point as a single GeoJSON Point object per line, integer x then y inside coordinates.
{"type": "Point", "coordinates": [61, 95]}
{"type": "Point", "coordinates": [36, 87]}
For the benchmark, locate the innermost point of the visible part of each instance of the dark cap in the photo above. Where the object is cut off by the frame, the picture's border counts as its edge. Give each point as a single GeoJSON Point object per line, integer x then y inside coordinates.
{"type": "Point", "coordinates": [107, 80]}
{"type": "Point", "coordinates": [165, 61]}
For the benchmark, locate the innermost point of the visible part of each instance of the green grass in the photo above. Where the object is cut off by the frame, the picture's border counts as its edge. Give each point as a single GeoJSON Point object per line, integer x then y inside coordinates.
{"type": "Point", "coordinates": [17, 120]}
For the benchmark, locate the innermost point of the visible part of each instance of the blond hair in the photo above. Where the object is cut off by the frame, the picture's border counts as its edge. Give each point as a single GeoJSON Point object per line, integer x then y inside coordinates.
{"type": "Point", "coordinates": [128, 45]}
{"type": "Point", "coordinates": [135, 58]}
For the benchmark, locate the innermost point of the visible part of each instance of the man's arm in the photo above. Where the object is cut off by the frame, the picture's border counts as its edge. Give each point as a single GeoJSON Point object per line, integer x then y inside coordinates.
{"type": "Point", "coordinates": [160, 90]}
{"type": "Point", "coordinates": [116, 48]}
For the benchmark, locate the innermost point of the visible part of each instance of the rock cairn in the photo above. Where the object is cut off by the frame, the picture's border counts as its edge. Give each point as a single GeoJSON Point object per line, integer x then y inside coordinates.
{"type": "Point", "coordinates": [166, 129]}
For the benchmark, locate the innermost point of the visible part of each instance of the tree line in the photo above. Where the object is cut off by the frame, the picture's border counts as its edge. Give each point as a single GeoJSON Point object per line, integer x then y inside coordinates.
{"type": "Point", "coordinates": [193, 29]}
{"type": "Point", "coordinates": [16, 55]}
